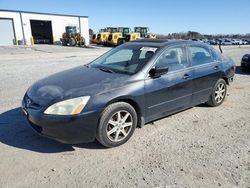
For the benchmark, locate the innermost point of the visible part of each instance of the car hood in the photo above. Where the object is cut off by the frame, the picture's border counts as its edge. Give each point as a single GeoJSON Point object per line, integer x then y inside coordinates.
{"type": "Point", "coordinates": [79, 81]}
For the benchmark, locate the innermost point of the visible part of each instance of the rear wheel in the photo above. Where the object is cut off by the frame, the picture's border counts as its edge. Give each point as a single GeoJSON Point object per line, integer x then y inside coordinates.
{"type": "Point", "coordinates": [117, 124]}
{"type": "Point", "coordinates": [218, 94]}
{"type": "Point", "coordinates": [82, 42]}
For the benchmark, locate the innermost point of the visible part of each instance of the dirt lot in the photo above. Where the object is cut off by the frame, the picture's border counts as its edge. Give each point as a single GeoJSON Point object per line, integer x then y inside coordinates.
{"type": "Point", "coordinates": [200, 147]}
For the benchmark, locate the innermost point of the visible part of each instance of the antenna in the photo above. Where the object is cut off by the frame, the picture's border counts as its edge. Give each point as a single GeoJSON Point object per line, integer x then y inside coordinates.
{"type": "Point", "coordinates": [220, 47]}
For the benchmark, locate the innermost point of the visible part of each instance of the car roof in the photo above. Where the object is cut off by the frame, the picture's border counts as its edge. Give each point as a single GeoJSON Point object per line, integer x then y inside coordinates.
{"type": "Point", "coordinates": [163, 42]}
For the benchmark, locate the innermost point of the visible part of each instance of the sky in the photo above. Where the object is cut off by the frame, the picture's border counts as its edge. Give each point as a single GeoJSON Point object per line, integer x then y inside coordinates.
{"type": "Point", "coordinates": [161, 16]}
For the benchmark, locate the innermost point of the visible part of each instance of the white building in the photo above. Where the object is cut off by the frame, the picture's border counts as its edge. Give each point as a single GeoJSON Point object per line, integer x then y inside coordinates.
{"type": "Point", "coordinates": [32, 27]}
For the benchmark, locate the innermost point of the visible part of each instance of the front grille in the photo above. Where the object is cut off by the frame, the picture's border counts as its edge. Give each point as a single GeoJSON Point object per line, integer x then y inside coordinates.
{"type": "Point", "coordinates": [29, 103]}
{"type": "Point", "coordinates": [110, 37]}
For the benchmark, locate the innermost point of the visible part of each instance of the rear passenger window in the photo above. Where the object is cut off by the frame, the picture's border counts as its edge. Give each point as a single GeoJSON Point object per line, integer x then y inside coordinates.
{"type": "Point", "coordinates": [174, 58]}
{"type": "Point", "coordinates": [200, 55]}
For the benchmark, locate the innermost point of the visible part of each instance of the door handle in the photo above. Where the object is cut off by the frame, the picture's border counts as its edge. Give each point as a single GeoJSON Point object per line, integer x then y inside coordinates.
{"type": "Point", "coordinates": [216, 67]}
{"type": "Point", "coordinates": [186, 76]}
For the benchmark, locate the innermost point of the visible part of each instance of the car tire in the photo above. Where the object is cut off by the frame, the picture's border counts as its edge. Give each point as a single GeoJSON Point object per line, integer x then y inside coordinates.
{"type": "Point", "coordinates": [218, 94]}
{"type": "Point", "coordinates": [117, 124]}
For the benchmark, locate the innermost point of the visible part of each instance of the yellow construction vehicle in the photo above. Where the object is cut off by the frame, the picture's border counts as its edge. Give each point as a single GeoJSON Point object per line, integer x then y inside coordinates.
{"type": "Point", "coordinates": [124, 34]}
{"type": "Point", "coordinates": [144, 32]}
{"type": "Point", "coordinates": [119, 37]}
{"type": "Point", "coordinates": [102, 37]}
{"type": "Point", "coordinates": [132, 36]}
{"type": "Point", "coordinates": [71, 37]}
{"type": "Point", "coordinates": [93, 39]}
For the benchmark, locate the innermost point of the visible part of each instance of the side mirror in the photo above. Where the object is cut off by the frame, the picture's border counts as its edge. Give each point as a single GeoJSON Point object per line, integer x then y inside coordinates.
{"type": "Point", "coordinates": [157, 72]}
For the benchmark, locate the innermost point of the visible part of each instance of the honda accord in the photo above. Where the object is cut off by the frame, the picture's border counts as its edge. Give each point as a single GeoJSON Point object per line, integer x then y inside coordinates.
{"type": "Point", "coordinates": [129, 86]}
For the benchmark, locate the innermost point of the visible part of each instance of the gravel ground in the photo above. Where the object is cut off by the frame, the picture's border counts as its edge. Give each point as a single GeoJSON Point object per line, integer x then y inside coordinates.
{"type": "Point", "coordinates": [199, 147]}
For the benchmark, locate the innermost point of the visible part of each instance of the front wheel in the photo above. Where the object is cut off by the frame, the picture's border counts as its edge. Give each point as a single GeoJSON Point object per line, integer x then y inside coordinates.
{"type": "Point", "coordinates": [117, 124]}
{"type": "Point", "coordinates": [72, 41]}
{"type": "Point", "coordinates": [218, 94]}
{"type": "Point", "coordinates": [64, 42]}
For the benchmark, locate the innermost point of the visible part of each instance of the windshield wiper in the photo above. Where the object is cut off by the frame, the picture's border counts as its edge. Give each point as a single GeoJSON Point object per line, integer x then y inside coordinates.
{"type": "Point", "coordinates": [106, 70]}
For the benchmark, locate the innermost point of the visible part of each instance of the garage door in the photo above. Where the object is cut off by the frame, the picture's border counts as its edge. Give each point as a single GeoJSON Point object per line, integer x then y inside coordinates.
{"type": "Point", "coordinates": [7, 36]}
{"type": "Point", "coordinates": [42, 31]}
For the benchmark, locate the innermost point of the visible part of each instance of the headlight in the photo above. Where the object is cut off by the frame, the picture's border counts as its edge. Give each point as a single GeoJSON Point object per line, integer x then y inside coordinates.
{"type": "Point", "coordinates": [68, 107]}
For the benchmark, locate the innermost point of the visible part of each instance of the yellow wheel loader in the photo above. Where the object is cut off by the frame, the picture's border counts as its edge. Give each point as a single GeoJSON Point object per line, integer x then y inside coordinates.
{"type": "Point", "coordinates": [93, 39]}
{"type": "Point", "coordinates": [132, 36]}
{"type": "Point", "coordinates": [71, 38]}
{"type": "Point", "coordinates": [102, 37]}
{"type": "Point", "coordinates": [119, 37]}
{"type": "Point", "coordinates": [124, 35]}
{"type": "Point", "coordinates": [144, 32]}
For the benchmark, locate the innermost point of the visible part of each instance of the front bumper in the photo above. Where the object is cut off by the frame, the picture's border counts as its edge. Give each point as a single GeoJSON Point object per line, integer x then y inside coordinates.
{"type": "Point", "coordinates": [66, 129]}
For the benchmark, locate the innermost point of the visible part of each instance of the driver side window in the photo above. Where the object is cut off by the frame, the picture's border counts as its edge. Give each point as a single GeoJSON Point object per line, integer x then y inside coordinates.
{"type": "Point", "coordinates": [174, 58]}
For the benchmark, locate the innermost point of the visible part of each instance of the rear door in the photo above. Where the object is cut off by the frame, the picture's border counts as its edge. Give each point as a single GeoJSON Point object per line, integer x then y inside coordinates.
{"type": "Point", "coordinates": [170, 92]}
{"type": "Point", "coordinates": [206, 71]}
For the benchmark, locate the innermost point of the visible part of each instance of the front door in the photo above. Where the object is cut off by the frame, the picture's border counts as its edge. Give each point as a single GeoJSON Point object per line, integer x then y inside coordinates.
{"type": "Point", "coordinates": [171, 92]}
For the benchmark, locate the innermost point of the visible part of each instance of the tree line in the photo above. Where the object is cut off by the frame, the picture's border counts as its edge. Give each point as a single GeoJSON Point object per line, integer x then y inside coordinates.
{"type": "Point", "coordinates": [197, 35]}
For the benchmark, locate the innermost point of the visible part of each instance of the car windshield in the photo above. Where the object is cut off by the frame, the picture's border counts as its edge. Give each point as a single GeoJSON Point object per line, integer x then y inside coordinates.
{"type": "Point", "coordinates": [125, 59]}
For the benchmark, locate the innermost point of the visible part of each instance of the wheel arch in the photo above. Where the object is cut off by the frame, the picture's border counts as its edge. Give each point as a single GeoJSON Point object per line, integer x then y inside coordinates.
{"type": "Point", "coordinates": [134, 104]}
{"type": "Point", "coordinates": [226, 79]}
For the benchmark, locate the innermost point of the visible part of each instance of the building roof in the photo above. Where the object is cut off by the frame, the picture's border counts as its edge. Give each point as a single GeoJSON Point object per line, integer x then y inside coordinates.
{"type": "Point", "coordinates": [42, 13]}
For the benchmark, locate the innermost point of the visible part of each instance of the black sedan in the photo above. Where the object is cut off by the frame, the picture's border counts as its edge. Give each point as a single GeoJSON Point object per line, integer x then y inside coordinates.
{"type": "Point", "coordinates": [245, 62]}
{"type": "Point", "coordinates": [129, 86]}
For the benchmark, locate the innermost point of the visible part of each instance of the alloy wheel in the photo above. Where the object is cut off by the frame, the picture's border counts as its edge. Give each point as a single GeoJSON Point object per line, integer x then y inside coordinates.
{"type": "Point", "coordinates": [220, 92]}
{"type": "Point", "coordinates": [119, 126]}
